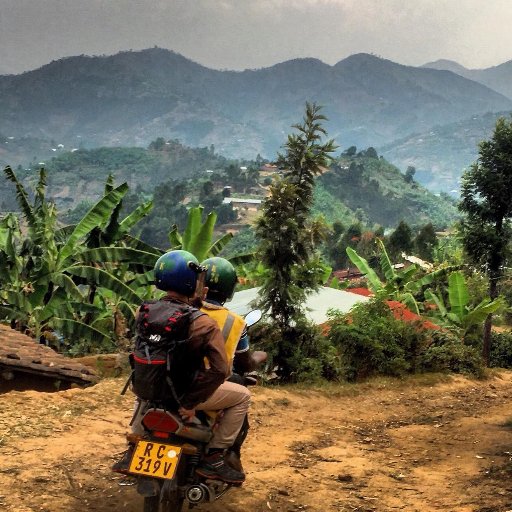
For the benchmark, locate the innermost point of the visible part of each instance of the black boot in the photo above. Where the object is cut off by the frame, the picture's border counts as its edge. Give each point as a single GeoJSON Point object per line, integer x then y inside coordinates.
{"type": "Point", "coordinates": [122, 465]}
{"type": "Point", "coordinates": [214, 466]}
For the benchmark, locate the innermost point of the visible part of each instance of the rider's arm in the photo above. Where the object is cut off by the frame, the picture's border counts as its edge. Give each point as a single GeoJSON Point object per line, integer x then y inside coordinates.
{"type": "Point", "coordinates": [242, 362]}
{"type": "Point", "coordinates": [206, 336]}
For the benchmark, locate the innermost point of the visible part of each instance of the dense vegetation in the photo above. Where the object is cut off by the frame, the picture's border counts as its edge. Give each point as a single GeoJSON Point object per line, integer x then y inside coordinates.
{"type": "Point", "coordinates": [79, 283]}
{"type": "Point", "coordinates": [361, 187]}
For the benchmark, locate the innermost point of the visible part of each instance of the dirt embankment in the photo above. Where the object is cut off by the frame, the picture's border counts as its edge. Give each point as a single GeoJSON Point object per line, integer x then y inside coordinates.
{"type": "Point", "coordinates": [384, 446]}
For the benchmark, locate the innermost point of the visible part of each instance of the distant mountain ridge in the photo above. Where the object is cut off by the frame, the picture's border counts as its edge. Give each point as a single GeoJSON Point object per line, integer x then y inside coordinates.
{"type": "Point", "coordinates": [498, 78]}
{"type": "Point", "coordinates": [134, 97]}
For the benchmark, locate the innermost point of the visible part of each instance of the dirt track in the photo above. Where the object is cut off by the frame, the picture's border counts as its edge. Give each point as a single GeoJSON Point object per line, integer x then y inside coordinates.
{"type": "Point", "coordinates": [383, 446]}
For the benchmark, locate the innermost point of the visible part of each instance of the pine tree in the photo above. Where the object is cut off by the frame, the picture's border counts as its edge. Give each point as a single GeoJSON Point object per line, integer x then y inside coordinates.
{"type": "Point", "coordinates": [287, 236]}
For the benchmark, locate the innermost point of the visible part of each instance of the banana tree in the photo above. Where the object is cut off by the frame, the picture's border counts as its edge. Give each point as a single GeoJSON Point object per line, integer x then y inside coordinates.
{"type": "Point", "coordinates": [402, 285]}
{"type": "Point", "coordinates": [53, 267]}
{"type": "Point", "coordinates": [197, 237]}
{"type": "Point", "coordinates": [458, 314]}
{"type": "Point", "coordinates": [398, 283]}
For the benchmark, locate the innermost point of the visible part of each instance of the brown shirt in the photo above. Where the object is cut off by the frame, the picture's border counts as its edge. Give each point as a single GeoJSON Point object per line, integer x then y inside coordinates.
{"type": "Point", "coordinates": [205, 341]}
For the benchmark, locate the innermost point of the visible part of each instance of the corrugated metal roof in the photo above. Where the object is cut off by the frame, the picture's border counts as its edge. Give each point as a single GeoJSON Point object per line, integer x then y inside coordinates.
{"type": "Point", "coordinates": [317, 304]}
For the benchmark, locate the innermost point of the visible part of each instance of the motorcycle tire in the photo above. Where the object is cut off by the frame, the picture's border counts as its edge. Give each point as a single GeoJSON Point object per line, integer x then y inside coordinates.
{"type": "Point", "coordinates": [153, 504]}
{"type": "Point", "coordinates": [172, 506]}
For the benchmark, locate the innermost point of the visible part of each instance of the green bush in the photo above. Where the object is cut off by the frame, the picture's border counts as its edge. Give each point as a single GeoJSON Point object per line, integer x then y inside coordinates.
{"type": "Point", "coordinates": [370, 341]}
{"type": "Point", "coordinates": [447, 353]}
{"type": "Point", "coordinates": [307, 355]}
{"type": "Point", "coordinates": [501, 350]}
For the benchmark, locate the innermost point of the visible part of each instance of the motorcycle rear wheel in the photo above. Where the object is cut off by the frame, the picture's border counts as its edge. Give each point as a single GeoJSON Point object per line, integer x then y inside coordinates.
{"type": "Point", "coordinates": [152, 504]}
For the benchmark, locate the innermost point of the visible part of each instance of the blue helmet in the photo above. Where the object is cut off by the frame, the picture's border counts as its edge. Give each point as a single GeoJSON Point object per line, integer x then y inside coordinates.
{"type": "Point", "coordinates": [177, 271]}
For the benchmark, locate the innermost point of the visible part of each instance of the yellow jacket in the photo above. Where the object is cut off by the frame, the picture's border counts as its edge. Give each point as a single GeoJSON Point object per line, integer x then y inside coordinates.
{"type": "Point", "coordinates": [230, 324]}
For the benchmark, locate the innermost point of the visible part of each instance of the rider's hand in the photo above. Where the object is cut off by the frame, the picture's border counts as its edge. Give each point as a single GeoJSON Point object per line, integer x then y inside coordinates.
{"type": "Point", "coordinates": [186, 414]}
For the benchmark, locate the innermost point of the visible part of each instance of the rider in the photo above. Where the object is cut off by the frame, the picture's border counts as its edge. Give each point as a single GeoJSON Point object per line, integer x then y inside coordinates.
{"type": "Point", "coordinates": [179, 274]}
{"type": "Point", "coordinates": [221, 280]}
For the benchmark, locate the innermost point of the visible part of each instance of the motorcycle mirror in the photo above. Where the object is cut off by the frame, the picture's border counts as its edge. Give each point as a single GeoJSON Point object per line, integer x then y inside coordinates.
{"type": "Point", "coordinates": [252, 317]}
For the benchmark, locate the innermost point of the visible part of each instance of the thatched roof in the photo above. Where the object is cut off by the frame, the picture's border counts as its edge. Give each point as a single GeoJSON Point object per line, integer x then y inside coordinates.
{"type": "Point", "coordinates": [22, 357]}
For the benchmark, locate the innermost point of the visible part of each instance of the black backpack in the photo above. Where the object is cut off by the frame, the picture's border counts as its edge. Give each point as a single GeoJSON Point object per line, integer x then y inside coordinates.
{"type": "Point", "coordinates": [162, 326]}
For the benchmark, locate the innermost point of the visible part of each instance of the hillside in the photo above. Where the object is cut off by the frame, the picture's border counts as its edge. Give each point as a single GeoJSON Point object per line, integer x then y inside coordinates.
{"type": "Point", "coordinates": [132, 98]}
{"type": "Point", "coordinates": [498, 78]}
{"type": "Point", "coordinates": [376, 192]}
{"type": "Point", "coordinates": [441, 154]}
{"type": "Point", "coordinates": [357, 188]}
{"type": "Point", "coordinates": [79, 176]}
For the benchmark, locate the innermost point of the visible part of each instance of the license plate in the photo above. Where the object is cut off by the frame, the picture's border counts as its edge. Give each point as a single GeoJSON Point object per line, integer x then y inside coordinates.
{"type": "Point", "coordinates": [155, 459]}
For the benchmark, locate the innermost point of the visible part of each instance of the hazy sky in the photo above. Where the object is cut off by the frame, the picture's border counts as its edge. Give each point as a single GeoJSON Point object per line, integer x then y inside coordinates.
{"type": "Point", "coordinates": [239, 34]}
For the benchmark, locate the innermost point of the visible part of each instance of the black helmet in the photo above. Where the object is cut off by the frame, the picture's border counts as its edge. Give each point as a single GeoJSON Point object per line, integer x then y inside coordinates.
{"type": "Point", "coordinates": [177, 271]}
{"type": "Point", "coordinates": [220, 278]}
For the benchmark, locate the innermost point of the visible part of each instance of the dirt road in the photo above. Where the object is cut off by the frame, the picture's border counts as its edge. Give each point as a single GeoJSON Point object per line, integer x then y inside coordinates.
{"type": "Point", "coordinates": [418, 445]}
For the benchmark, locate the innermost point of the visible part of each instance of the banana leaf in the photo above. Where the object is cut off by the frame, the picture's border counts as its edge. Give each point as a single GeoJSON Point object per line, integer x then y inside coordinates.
{"type": "Point", "coordinates": [175, 238]}
{"type": "Point", "coordinates": [95, 217]}
{"type": "Point", "coordinates": [373, 279]}
{"type": "Point", "coordinates": [135, 243]}
{"type": "Point", "coordinates": [138, 214]}
{"type": "Point", "coordinates": [56, 305]}
{"type": "Point", "coordinates": [458, 293]}
{"type": "Point", "coordinates": [103, 279]}
{"type": "Point", "coordinates": [21, 197]}
{"type": "Point", "coordinates": [75, 330]}
{"type": "Point", "coordinates": [431, 296]}
{"type": "Point", "coordinates": [480, 312]}
{"type": "Point", "coordinates": [193, 226]}
{"type": "Point", "coordinates": [200, 244]}
{"type": "Point", "coordinates": [409, 300]}
{"type": "Point", "coordinates": [117, 254]}
{"type": "Point", "coordinates": [219, 244]}
{"type": "Point", "coordinates": [242, 259]}
{"type": "Point", "coordinates": [385, 263]}
{"type": "Point", "coordinates": [9, 313]}
{"type": "Point", "coordinates": [142, 280]}
{"type": "Point", "coordinates": [68, 285]}
{"type": "Point", "coordinates": [128, 312]}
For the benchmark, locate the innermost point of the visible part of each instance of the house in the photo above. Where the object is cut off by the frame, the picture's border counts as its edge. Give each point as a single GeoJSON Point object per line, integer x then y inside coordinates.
{"type": "Point", "coordinates": [242, 203]}
{"type": "Point", "coordinates": [348, 273]}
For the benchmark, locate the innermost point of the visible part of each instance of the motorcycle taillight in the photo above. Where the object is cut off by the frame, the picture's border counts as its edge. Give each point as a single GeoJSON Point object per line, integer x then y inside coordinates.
{"type": "Point", "coordinates": [160, 420]}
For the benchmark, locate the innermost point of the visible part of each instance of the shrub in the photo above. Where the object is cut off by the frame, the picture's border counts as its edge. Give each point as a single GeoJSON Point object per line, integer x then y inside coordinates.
{"type": "Point", "coordinates": [501, 350]}
{"type": "Point", "coordinates": [371, 341]}
{"type": "Point", "coordinates": [447, 353]}
{"type": "Point", "coordinates": [306, 354]}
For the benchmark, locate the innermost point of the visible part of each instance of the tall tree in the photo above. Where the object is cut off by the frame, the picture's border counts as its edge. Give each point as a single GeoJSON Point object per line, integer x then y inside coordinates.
{"type": "Point", "coordinates": [426, 241]}
{"type": "Point", "coordinates": [287, 237]}
{"type": "Point", "coordinates": [400, 240]}
{"type": "Point", "coordinates": [487, 208]}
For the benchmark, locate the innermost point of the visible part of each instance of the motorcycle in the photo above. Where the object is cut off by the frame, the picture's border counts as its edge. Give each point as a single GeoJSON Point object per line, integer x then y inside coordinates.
{"type": "Point", "coordinates": [166, 456]}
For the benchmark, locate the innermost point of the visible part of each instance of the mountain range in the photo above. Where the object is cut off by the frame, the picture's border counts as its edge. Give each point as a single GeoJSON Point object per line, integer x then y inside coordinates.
{"type": "Point", "coordinates": [498, 78]}
{"type": "Point", "coordinates": [134, 97]}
